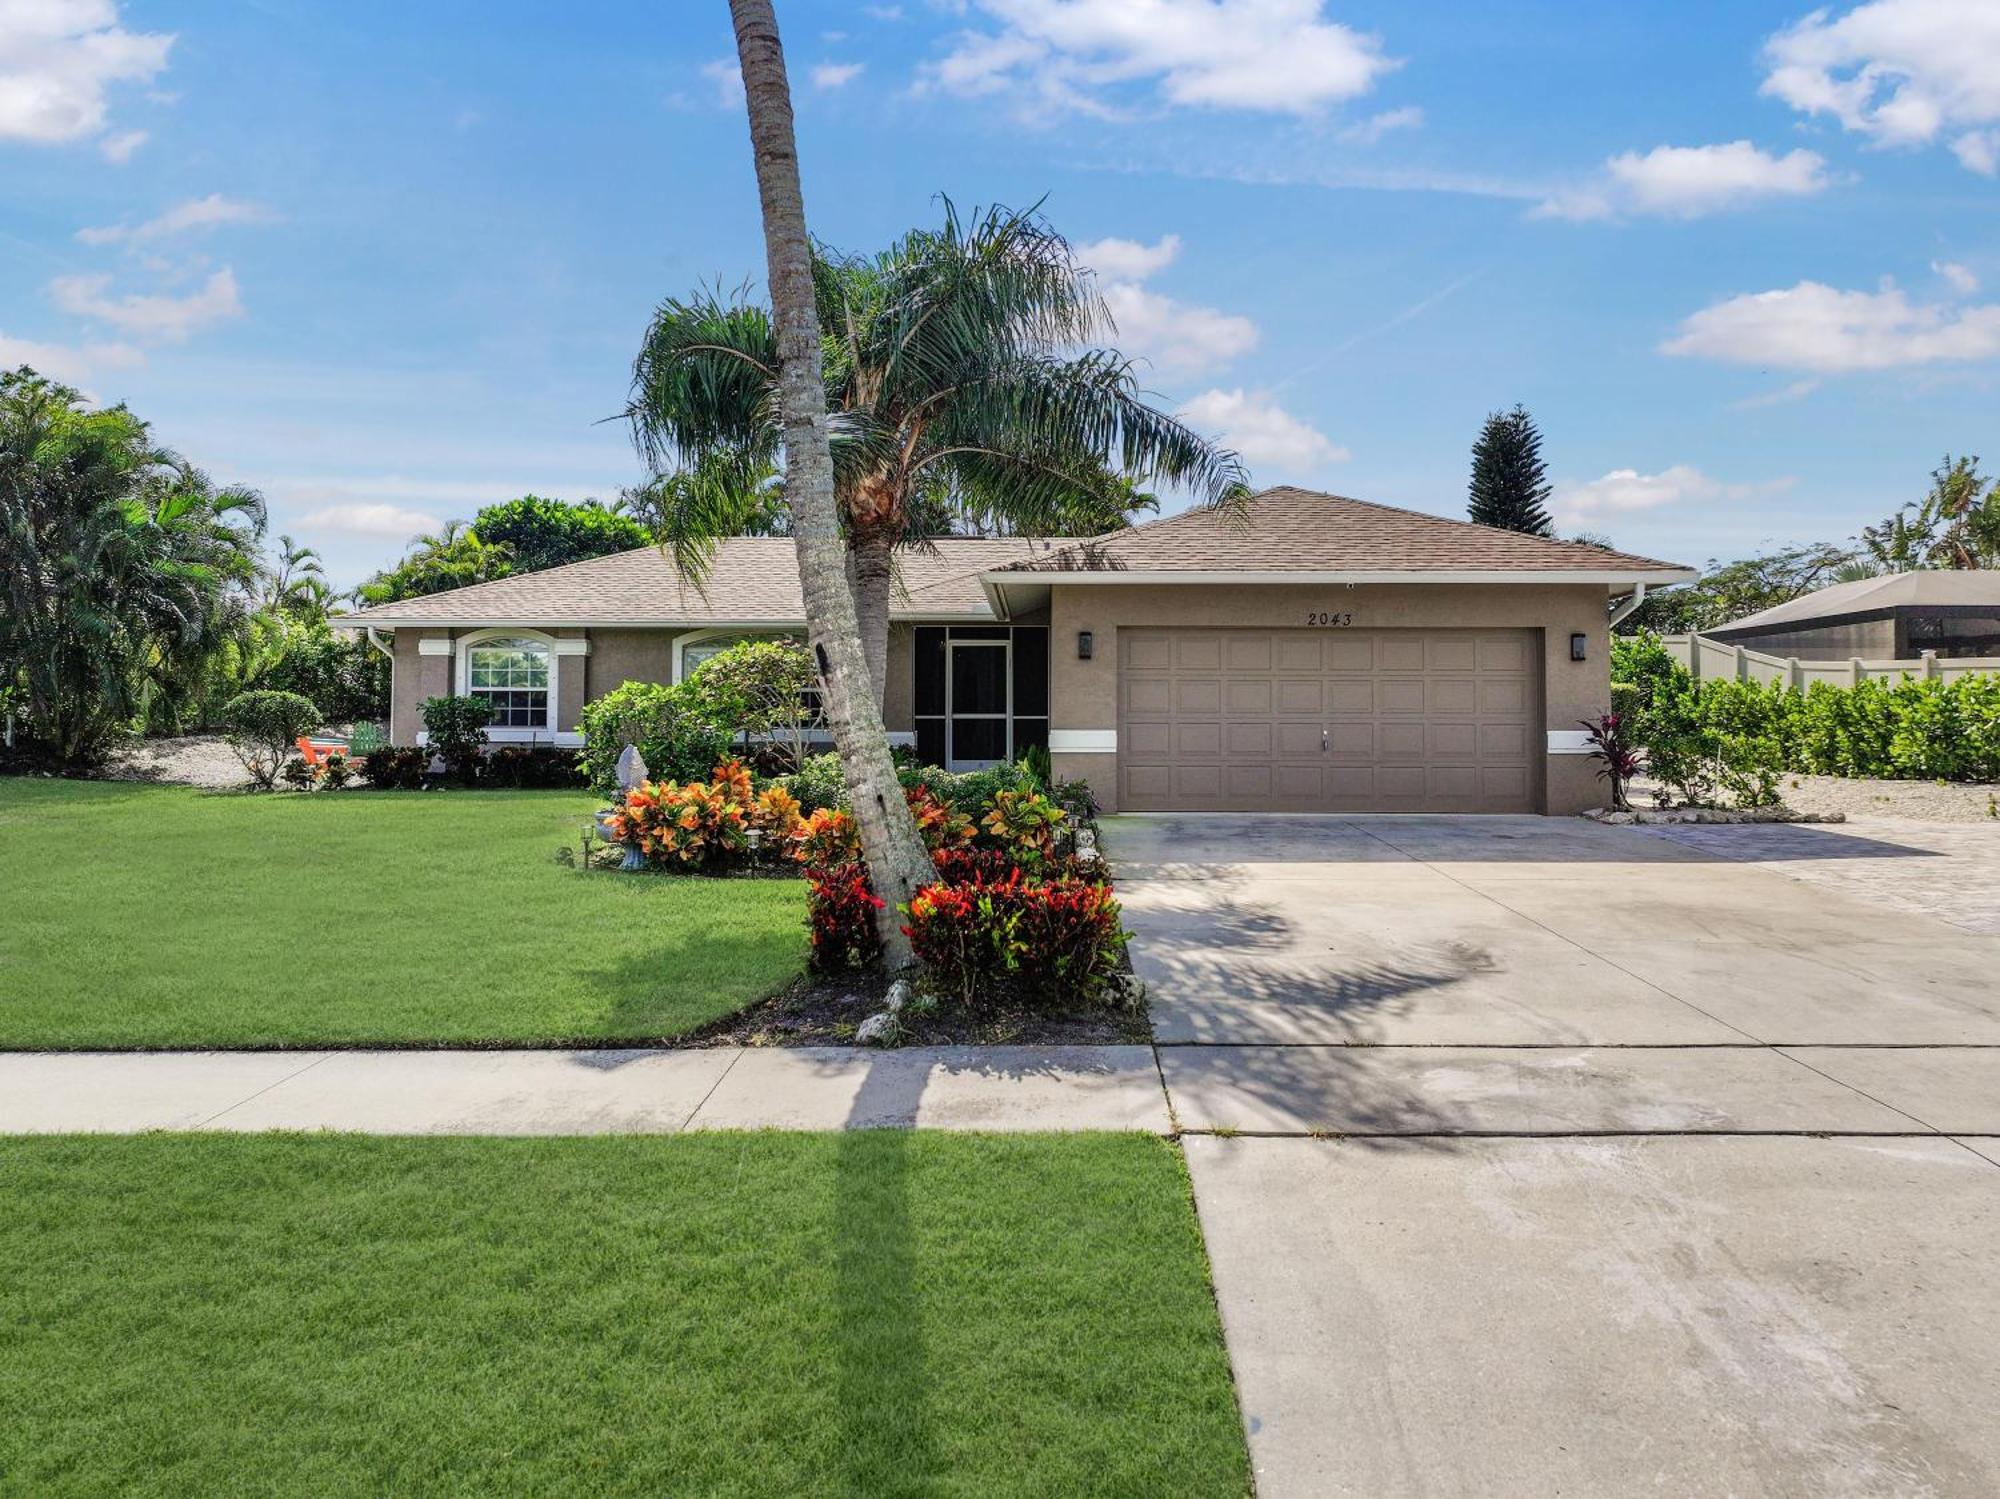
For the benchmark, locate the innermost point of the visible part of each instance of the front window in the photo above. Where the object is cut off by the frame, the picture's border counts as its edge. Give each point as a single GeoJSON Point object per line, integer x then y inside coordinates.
{"type": "Point", "coordinates": [512, 675]}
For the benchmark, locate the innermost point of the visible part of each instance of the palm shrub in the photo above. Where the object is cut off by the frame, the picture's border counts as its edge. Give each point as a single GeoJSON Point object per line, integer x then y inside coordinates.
{"type": "Point", "coordinates": [264, 728]}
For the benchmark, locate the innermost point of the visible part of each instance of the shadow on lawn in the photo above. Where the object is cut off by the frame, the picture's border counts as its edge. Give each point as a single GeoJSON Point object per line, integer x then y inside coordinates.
{"type": "Point", "coordinates": [880, 1385]}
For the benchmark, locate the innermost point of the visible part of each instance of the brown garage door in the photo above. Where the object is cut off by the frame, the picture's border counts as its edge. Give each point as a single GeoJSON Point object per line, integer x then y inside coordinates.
{"type": "Point", "coordinates": [1328, 720]}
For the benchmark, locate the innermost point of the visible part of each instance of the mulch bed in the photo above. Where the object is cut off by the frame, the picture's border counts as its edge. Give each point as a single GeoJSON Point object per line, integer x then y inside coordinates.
{"type": "Point", "coordinates": [823, 1010]}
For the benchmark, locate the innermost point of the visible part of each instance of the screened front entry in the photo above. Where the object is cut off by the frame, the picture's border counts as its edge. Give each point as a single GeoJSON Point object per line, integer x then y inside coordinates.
{"type": "Point", "coordinates": [982, 693]}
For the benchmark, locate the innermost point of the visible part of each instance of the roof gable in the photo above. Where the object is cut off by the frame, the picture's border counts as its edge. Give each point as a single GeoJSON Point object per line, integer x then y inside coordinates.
{"type": "Point", "coordinates": [1287, 529]}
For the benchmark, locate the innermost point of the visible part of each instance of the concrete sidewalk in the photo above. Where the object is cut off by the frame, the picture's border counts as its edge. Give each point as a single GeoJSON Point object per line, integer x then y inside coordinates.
{"type": "Point", "coordinates": [584, 1092]}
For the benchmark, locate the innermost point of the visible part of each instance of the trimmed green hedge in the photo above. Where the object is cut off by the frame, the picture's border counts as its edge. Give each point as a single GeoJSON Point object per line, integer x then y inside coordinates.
{"type": "Point", "coordinates": [1942, 730]}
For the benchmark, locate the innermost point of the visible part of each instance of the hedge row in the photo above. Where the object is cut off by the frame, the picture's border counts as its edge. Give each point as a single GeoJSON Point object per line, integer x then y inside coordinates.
{"type": "Point", "coordinates": [1940, 730]}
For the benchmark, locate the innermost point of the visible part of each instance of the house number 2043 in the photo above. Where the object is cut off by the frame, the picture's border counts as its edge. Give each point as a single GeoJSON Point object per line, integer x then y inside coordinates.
{"type": "Point", "coordinates": [1326, 617]}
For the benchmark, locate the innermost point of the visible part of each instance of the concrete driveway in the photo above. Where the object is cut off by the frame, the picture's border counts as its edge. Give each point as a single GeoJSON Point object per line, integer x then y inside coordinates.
{"type": "Point", "coordinates": [1537, 1157]}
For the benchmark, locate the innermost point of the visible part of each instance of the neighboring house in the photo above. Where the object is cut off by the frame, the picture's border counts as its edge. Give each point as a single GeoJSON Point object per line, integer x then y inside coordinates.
{"type": "Point", "coordinates": [1895, 617]}
{"type": "Point", "coordinates": [1301, 653]}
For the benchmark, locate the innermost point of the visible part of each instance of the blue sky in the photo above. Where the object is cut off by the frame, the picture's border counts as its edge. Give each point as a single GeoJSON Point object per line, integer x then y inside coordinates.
{"type": "Point", "coordinates": [389, 262]}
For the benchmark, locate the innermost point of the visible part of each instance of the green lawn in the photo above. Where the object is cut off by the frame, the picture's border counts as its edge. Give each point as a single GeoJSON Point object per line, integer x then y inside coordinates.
{"type": "Point", "coordinates": [158, 916]}
{"type": "Point", "coordinates": [870, 1314]}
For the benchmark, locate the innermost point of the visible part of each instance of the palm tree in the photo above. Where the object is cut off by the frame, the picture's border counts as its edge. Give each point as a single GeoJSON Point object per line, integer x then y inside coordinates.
{"type": "Point", "coordinates": [963, 391]}
{"type": "Point", "coordinates": [1955, 525]}
{"type": "Point", "coordinates": [123, 569]}
{"type": "Point", "coordinates": [295, 583]}
{"type": "Point", "coordinates": [898, 864]}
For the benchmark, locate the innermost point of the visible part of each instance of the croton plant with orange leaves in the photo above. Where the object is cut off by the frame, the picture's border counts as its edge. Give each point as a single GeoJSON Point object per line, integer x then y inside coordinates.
{"type": "Point", "coordinates": [701, 823]}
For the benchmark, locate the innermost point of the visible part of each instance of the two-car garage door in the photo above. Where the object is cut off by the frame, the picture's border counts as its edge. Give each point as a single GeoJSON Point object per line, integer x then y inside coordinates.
{"type": "Point", "coordinates": [1328, 720]}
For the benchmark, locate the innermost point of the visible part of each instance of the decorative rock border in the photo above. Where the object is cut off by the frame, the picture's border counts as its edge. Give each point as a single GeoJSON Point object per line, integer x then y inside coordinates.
{"type": "Point", "coordinates": [1665, 815]}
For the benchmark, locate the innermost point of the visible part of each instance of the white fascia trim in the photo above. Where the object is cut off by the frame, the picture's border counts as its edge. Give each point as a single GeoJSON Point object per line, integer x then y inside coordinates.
{"type": "Point", "coordinates": [993, 581]}
{"type": "Point", "coordinates": [1569, 742]}
{"type": "Point", "coordinates": [419, 622]}
{"type": "Point", "coordinates": [429, 647]}
{"type": "Point", "coordinates": [1083, 741]}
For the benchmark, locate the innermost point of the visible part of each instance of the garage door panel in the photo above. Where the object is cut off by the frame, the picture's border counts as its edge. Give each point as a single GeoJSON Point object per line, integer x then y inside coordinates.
{"type": "Point", "coordinates": [1350, 699]}
{"type": "Point", "coordinates": [1296, 739]}
{"type": "Point", "coordinates": [1296, 651]}
{"type": "Point", "coordinates": [1401, 651]}
{"type": "Point", "coordinates": [1301, 695]}
{"type": "Point", "coordinates": [1247, 652]}
{"type": "Point", "coordinates": [1197, 652]}
{"type": "Point", "coordinates": [1248, 740]}
{"type": "Point", "coordinates": [1455, 695]}
{"type": "Point", "coordinates": [1453, 653]}
{"type": "Point", "coordinates": [1399, 695]}
{"type": "Point", "coordinates": [1244, 697]}
{"type": "Point", "coordinates": [1329, 720]}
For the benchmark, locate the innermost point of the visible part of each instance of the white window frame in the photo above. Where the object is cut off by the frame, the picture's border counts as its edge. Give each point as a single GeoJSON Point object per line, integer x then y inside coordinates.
{"type": "Point", "coordinates": [463, 648]}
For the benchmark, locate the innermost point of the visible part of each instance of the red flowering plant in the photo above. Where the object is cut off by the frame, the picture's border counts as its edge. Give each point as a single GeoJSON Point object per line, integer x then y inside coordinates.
{"type": "Point", "coordinates": [1036, 941]}
{"type": "Point", "coordinates": [941, 825]}
{"type": "Point", "coordinates": [840, 918]}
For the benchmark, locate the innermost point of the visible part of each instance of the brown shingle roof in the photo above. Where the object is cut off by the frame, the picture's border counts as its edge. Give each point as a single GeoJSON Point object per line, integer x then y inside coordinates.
{"type": "Point", "coordinates": [754, 580]}
{"type": "Point", "coordinates": [1300, 530]}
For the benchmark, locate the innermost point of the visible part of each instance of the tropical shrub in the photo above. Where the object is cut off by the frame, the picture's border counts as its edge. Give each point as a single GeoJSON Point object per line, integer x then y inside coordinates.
{"type": "Point", "coordinates": [1026, 824]}
{"type": "Point", "coordinates": [1737, 738]}
{"type": "Point", "coordinates": [297, 774]}
{"type": "Point", "coordinates": [531, 767]}
{"type": "Point", "coordinates": [336, 771]}
{"type": "Point", "coordinates": [827, 839]}
{"type": "Point", "coordinates": [676, 743]}
{"type": "Point", "coordinates": [766, 689]}
{"type": "Point", "coordinates": [395, 767]}
{"type": "Point", "coordinates": [1036, 765]}
{"type": "Point", "coordinates": [840, 918]}
{"type": "Point", "coordinates": [455, 727]}
{"type": "Point", "coordinates": [345, 676]}
{"type": "Point", "coordinates": [687, 826]}
{"type": "Point", "coordinates": [939, 824]}
{"type": "Point", "coordinates": [1023, 940]}
{"type": "Point", "coordinates": [1077, 799]}
{"type": "Point", "coordinates": [778, 817]}
{"type": "Point", "coordinates": [818, 783]}
{"type": "Point", "coordinates": [264, 728]}
{"type": "Point", "coordinates": [1618, 758]}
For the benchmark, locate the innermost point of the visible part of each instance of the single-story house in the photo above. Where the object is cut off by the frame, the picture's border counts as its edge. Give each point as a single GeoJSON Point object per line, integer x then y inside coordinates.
{"type": "Point", "coordinates": [1301, 652]}
{"type": "Point", "coordinates": [1894, 617]}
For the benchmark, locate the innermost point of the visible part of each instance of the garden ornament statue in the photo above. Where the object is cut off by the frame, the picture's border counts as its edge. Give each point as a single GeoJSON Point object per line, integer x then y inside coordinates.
{"type": "Point", "coordinates": [631, 767]}
{"type": "Point", "coordinates": [1086, 845]}
{"type": "Point", "coordinates": [434, 773]}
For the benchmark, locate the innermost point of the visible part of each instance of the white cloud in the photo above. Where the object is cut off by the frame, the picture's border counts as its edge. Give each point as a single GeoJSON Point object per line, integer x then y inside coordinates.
{"type": "Point", "coordinates": [1273, 56]}
{"type": "Point", "coordinates": [1367, 132]}
{"type": "Point", "coordinates": [1960, 277]}
{"type": "Point", "coordinates": [158, 317]}
{"type": "Point", "coordinates": [727, 80]}
{"type": "Point", "coordinates": [1687, 182]}
{"type": "Point", "coordinates": [832, 75]}
{"type": "Point", "coordinates": [72, 364]}
{"type": "Point", "coordinates": [1262, 431]}
{"type": "Point", "coordinates": [883, 12]}
{"type": "Point", "coordinates": [1824, 329]}
{"type": "Point", "coordinates": [1176, 337]}
{"type": "Point", "coordinates": [1127, 259]}
{"type": "Point", "coordinates": [120, 148]}
{"type": "Point", "coordinates": [1798, 390]}
{"type": "Point", "coordinates": [195, 213]}
{"type": "Point", "coordinates": [1625, 490]}
{"type": "Point", "coordinates": [57, 59]}
{"type": "Point", "coordinates": [1902, 72]}
{"type": "Point", "coordinates": [369, 520]}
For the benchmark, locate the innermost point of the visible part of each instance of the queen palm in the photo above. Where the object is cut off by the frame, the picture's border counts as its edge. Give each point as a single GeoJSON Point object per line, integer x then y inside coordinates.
{"type": "Point", "coordinates": [962, 390]}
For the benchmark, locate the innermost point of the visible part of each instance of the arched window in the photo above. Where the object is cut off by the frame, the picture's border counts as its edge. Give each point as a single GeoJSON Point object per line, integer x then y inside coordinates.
{"type": "Point", "coordinates": [512, 673]}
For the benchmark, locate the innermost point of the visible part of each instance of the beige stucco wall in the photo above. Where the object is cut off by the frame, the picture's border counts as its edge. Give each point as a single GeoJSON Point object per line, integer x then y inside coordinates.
{"type": "Point", "coordinates": [1084, 694]}
{"type": "Point", "coordinates": [621, 656]}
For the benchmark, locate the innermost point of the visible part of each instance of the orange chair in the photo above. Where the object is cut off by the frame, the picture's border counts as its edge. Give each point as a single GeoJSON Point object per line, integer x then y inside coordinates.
{"type": "Point", "coordinates": [316, 755]}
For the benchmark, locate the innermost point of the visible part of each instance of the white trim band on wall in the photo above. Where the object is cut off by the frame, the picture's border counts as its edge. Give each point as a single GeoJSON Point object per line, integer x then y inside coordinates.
{"type": "Point", "coordinates": [433, 646]}
{"type": "Point", "coordinates": [1083, 741]}
{"type": "Point", "coordinates": [1569, 742]}
{"type": "Point", "coordinates": [566, 646]}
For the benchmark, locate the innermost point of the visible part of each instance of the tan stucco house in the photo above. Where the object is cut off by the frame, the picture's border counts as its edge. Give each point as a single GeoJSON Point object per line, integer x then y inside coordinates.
{"type": "Point", "coordinates": [1303, 652]}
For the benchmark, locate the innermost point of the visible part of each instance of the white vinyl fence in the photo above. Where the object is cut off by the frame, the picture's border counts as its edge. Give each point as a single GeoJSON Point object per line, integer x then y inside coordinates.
{"type": "Point", "coordinates": [1706, 659]}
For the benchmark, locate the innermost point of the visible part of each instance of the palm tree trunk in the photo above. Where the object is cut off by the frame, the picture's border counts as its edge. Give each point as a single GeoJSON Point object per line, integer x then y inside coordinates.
{"type": "Point", "coordinates": [898, 865]}
{"type": "Point", "coordinates": [872, 558]}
